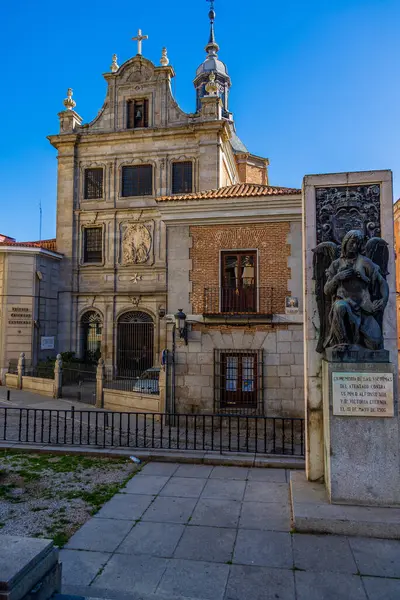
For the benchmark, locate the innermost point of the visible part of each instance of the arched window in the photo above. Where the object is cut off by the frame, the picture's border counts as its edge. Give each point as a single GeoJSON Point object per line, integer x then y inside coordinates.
{"type": "Point", "coordinates": [91, 332]}
{"type": "Point", "coordinates": [135, 343]}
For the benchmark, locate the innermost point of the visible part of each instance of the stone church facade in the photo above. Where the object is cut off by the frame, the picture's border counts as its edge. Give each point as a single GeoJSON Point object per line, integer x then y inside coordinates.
{"type": "Point", "coordinates": [160, 210]}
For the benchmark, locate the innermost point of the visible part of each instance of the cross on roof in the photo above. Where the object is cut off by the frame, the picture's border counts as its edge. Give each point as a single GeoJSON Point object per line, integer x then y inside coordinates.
{"type": "Point", "coordinates": [139, 39]}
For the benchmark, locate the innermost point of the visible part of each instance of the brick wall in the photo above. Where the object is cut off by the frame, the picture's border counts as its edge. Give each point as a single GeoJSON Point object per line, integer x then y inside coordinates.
{"type": "Point", "coordinates": [249, 173]}
{"type": "Point", "coordinates": [269, 238]}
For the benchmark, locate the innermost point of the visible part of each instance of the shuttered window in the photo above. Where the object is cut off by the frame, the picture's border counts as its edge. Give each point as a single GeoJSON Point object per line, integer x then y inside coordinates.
{"type": "Point", "coordinates": [93, 245]}
{"type": "Point", "coordinates": [93, 183]}
{"type": "Point", "coordinates": [137, 113]}
{"type": "Point", "coordinates": [182, 177]}
{"type": "Point", "coordinates": [137, 180]}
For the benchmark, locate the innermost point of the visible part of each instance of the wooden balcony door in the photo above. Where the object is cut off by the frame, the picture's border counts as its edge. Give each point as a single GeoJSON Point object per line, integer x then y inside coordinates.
{"type": "Point", "coordinates": [239, 282]}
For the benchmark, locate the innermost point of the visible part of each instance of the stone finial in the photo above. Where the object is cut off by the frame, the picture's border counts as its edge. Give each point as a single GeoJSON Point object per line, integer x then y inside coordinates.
{"type": "Point", "coordinates": [164, 60]}
{"type": "Point", "coordinates": [114, 65]}
{"type": "Point", "coordinates": [68, 102]}
{"type": "Point", "coordinates": [211, 86]}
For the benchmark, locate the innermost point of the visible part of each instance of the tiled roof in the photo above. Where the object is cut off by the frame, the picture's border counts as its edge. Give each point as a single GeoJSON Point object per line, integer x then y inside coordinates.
{"type": "Point", "coordinates": [239, 190]}
{"type": "Point", "coordinates": [44, 244]}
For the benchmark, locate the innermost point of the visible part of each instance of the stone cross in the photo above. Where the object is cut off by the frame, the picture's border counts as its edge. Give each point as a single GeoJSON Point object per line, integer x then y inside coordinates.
{"type": "Point", "coordinates": [139, 39]}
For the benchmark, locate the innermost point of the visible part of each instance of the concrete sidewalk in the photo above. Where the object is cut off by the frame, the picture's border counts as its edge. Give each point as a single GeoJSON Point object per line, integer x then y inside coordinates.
{"type": "Point", "coordinates": [24, 399]}
{"type": "Point", "coordinates": [183, 531]}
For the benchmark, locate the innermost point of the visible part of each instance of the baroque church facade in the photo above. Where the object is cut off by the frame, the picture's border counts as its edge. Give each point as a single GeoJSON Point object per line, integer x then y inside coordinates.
{"type": "Point", "coordinates": [161, 211]}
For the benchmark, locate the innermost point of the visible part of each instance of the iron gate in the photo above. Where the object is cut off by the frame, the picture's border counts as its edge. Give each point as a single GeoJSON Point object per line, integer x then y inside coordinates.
{"type": "Point", "coordinates": [135, 344]}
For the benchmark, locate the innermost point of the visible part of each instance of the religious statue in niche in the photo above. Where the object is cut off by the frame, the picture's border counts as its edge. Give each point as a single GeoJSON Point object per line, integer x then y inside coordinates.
{"type": "Point", "coordinates": [338, 210]}
{"type": "Point", "coordinates": [351, 291]}
{"type": "Point", "coordinates": [136, 243]}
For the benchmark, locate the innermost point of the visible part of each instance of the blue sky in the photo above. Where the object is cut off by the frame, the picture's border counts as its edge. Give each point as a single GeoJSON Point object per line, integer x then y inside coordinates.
{"type": "Point", "coordinates": [315, 84]}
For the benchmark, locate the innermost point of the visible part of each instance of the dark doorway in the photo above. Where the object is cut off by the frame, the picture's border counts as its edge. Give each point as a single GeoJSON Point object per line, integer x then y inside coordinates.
{"type": "Point", "coordinates": [91, 331]}
{"type": "Point", "coordinates": [135, 344]}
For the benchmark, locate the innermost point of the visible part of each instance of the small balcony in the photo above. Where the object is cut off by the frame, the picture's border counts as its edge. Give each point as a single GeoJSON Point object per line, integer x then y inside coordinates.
{"type": "Point", "coordinates": [245, 302]}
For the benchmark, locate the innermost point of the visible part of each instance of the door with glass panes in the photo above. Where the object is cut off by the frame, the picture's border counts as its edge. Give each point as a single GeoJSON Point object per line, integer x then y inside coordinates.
{"type": "Point", "coordinates": [239, 380]}
{"type": "Point", "coordinates": [239, 282]}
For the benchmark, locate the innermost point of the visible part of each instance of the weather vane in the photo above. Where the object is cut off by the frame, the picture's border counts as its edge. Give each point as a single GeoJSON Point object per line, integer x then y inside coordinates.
{"type": "Point", "coordinates": [211, 4]}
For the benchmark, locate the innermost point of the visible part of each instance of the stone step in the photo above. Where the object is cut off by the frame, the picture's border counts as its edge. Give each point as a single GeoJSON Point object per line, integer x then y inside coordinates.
{"type": "Point", "coordinates": [90, 593]}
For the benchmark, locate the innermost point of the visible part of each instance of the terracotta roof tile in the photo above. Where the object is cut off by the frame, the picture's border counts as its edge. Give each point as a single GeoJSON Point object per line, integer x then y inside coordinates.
{"type": "Point", "coordinates": [239, 190]}
{"type": "Point", "coordinates": [44, 244]}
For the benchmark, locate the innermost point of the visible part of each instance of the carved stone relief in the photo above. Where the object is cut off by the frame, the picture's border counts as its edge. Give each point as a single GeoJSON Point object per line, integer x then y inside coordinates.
{"type": "Point", "coordinates": [137, 242]}
{"type": "Point", "coordinates": [341, 209]}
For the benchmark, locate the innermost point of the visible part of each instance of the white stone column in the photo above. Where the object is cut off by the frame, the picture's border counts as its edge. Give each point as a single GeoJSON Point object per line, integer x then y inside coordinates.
{"type": "Point", "coordinates": [21, 369]}
{"type": "Point", "coordinates": [58, 377]}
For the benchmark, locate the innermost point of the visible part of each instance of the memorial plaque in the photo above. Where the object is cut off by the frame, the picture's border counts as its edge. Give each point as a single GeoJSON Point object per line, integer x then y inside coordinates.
{"type": "Point", "coordinates": [363, 394]}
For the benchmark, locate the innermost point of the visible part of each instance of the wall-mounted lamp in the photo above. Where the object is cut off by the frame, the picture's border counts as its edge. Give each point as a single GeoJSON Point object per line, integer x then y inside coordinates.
{"type": "Point", "coordinates": [181, 325]}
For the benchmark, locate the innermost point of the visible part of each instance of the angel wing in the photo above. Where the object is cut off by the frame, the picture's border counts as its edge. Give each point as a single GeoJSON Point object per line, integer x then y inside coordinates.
{"type": "Point", "coordinates": [324, 254]}
{"type": "Point", "coordinates": [376, 249]}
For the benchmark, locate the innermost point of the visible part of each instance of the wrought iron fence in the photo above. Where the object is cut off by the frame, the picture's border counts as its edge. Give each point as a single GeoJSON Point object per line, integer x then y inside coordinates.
{"type": "Point", "coordinates": [45, 371]}
{"type": "Point", "coordinates": [244, 300]}
{"type": "Point", "coordinates": [79, 383]}
{"type": "Point", "coordinates": [223, 433]}
{"type": "Point", "coordinates": [145, 383]}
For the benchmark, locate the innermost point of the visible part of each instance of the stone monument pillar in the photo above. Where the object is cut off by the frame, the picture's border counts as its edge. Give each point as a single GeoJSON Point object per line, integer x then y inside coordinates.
{"type": "Point", "coordinates": [352, 425]}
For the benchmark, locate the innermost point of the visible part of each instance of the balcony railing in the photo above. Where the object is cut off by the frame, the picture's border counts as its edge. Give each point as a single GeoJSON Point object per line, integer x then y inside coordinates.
{"type": "Point", "coordinates": [248, 300]}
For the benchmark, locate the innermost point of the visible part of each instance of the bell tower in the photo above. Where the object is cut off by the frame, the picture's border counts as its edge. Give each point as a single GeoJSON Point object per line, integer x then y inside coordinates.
{"type": "Point", "coordinates": [212, 64]}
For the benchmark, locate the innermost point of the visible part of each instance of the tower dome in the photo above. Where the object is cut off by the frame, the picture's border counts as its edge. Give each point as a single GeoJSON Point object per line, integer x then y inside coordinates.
{"type": "Point", "coordinates": [212, 64]}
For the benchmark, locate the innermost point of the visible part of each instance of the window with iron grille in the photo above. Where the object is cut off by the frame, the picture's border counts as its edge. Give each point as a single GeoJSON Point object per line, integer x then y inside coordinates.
{"type": "Point", "coordinates": [93, 183]}
{"type": "Point", "coordinates": [238, 381]}
{"type": "Point", "coordinates": [93, 245]}
{"type": "Point", "coordinates": [137, 180]}
{"type": "Point", "coordinates": [137, 113]}
{"type": "Point", "coordinates": [182, 177]}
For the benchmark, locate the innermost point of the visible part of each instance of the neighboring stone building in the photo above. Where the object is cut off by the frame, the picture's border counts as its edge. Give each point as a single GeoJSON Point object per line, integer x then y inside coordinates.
{"type": "Point", "coordinates": [29, 274]}
{"type": "Point", "coordinates": [397, 251]}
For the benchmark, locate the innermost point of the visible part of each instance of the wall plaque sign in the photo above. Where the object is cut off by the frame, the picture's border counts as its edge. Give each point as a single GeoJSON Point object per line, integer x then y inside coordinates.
{"type": "Point", "coordinates": [362, 394]}
{"type": "Point", "coordinates": [47, 342]}
{"type": "Point", "coordinates": [20, 315]}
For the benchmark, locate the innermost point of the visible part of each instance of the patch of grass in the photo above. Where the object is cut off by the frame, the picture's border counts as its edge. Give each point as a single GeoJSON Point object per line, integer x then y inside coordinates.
{"type": "Point", "coordinates": [60, 539]}
{"type": "Point", "coordinates": [38, 508]}
{"type": "Point", "coordinates": [27, 475]}
{"type": "Point", "coordinates": [2, 525]}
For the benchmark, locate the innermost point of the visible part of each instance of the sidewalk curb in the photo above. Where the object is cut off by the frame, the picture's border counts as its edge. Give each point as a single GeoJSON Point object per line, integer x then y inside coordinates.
{"type": "Point", "coordinates": [208, 457]}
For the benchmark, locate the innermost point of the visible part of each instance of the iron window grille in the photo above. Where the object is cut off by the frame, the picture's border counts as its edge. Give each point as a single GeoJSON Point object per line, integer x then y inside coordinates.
{"type": "Point", "coordinates": [238, 382]}
{"type": "Point", "coordinates": [137, 113]}
{"type": "Point", "coordinates": [93, 184]}
{"type": "Point", "coordinates": [182, 177]}
{"type": "Point", "coordinates": [137, 180]}
{"type": "Point", "coordinates": [93, 245]}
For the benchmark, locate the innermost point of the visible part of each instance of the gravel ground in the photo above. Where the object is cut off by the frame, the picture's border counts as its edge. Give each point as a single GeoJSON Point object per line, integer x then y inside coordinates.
{"type": "Point", "coordinates": [43, 495]}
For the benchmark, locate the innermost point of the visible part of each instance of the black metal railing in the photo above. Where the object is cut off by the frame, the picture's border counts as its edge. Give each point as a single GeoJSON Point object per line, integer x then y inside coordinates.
{"type": "Point", "coordinates": [243, 300]}
{"type": "Point", "coordinates": [146, 382]}
{"type": "Point", "coordinates": [223, 433]}
{"type": "Point", "coordinates": [43, 371]}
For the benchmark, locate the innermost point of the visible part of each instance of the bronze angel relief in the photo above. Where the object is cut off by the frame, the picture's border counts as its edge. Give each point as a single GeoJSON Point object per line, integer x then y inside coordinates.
{"type": "Point", "coordinates": [351, 291]}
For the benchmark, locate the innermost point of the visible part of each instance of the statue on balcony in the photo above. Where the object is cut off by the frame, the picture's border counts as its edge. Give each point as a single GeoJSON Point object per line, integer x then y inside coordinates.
{"type": "Point", "coordinates": [352, 292]}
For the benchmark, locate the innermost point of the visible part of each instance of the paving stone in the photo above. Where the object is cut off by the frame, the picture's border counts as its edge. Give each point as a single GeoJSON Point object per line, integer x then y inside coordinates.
{"type": "Point", "coordinates": [259, 491]}
{"type": "Point", "coordinates": [196, 579]}
{"type": "Point", "coordinates": [183, 487]}
{"type": "Point", "coordinates": [213, 544]}
{"type": "Point", "coordinates": [379, 588]}
{"type": "Point", "coordinates": [155, 539]}
{"type": "Point", "coordinates": [100, 535]}
{"type": "Point", "coordinates": [201, 471]}
{"type": "Point", "coordinates": [131, 573]}
{"type": "Point", "coordinates": [224, 489]}
{"type": "Point", "coordinates": [271, 475]}
{"type": "Point", "coordinates": [328, 586]}
{"type": "Point", "coordinates": [265, 515]}
{"type": "Point", "coordinates": [263, 549]}
{"type": "Point", "coordinates": [377, 557]}
{"type": "Point", "coordinates": [323, 553]}
{"type": "Point", "coordinates": [259, 583]}
{"type": "Point", "coordinates": [146, 484]}
{"type": "Point", "coordinates": [125, 506]}
{"type": "Point", "coordinates": [217, 513]}
{"type": "Point", "coordinates": [80, 567]}
{"type": "Point", "coordinates": [170, 510]}
{"type": "Point", "coordinates": [159, 468]}
{"type": "Point", "coordinates": [240, 473]}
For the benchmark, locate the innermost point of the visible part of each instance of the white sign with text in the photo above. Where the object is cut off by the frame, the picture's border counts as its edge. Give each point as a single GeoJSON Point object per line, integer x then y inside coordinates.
{"type": "Point", "coordinates": [363, 394]}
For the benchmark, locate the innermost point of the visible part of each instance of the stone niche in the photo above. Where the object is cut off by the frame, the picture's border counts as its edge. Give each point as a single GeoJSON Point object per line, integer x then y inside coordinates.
{"type": "Point", "coordinates": [352, 426]}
